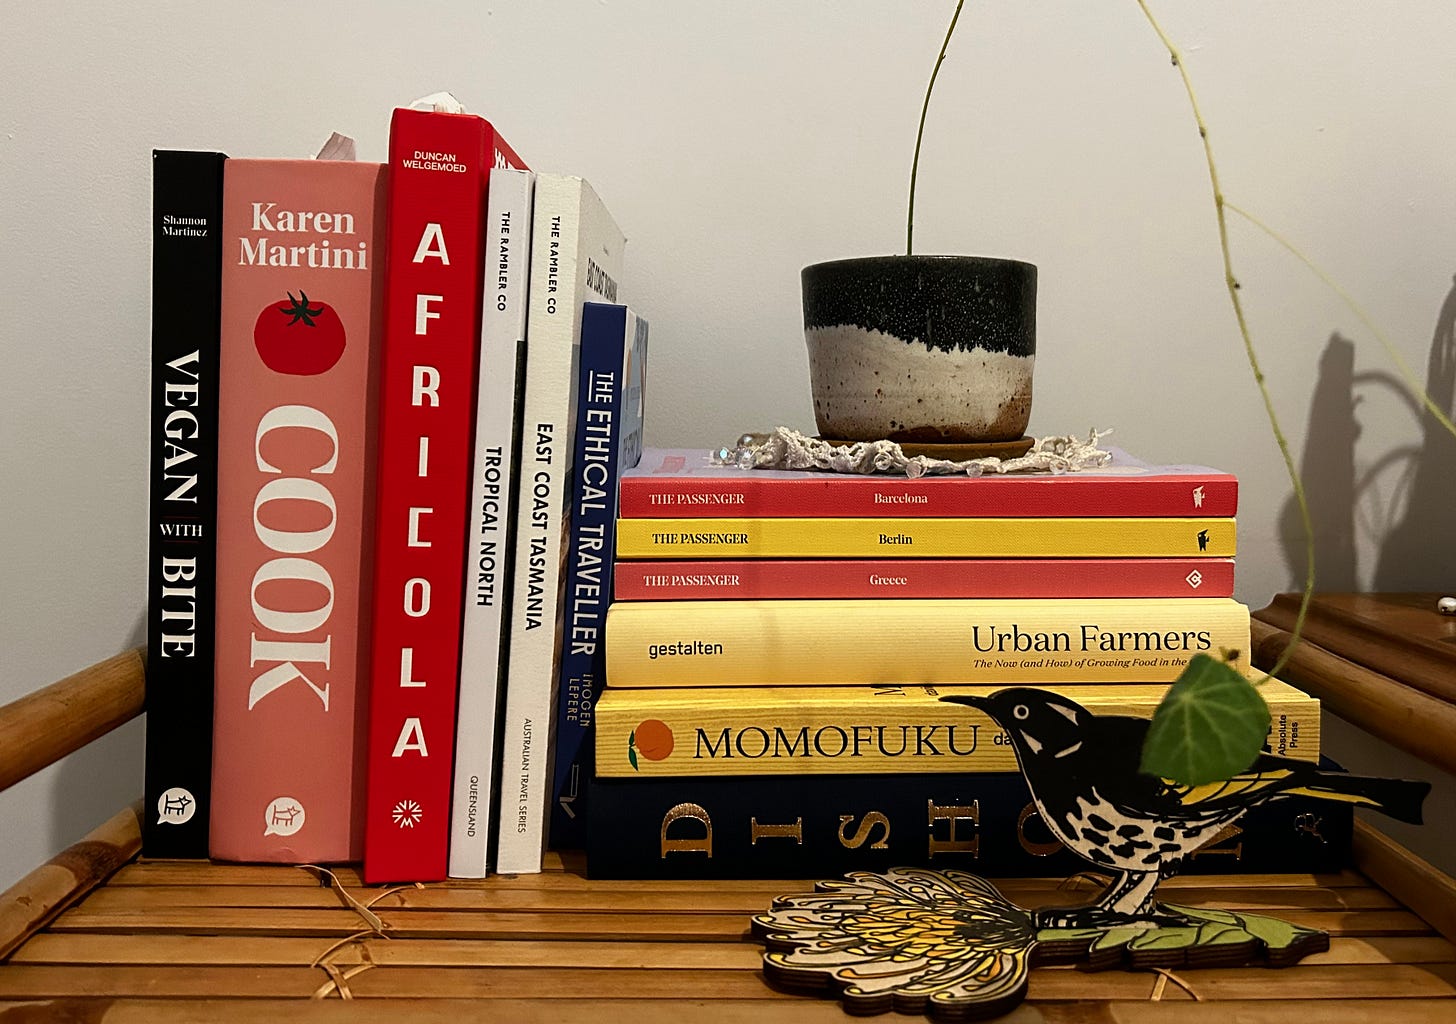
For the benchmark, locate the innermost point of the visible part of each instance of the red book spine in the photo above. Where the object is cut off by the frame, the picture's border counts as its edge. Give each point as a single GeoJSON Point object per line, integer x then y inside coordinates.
{"type": "Point", "coordinates": [439, 166]}
{"type": "Point", "coordinates": [938, 577]}
{"type": "Point", "coordinates": [300, 345]}
{"type": "Point", "coordinates": [678, 483]}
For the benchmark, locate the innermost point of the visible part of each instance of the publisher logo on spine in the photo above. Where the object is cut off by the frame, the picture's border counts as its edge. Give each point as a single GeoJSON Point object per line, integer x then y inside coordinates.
{"type": "Point", "coordinates": [651, 739]}
{"type": "Point", "coordinates": [283, 817]}
{"type": "Point", "coordinates": [407, 813]}
{"type": "Point", "coordinates": [176, 806]}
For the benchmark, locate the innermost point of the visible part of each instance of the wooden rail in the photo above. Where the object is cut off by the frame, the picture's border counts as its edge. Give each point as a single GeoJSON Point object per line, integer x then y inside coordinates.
{"type": "Point", "coordinates": [37, 731]}
{"type": "Point", "coordinates": [42, 727]}
{"type": "Point", "coordinates": [1418, 723]}
{"type": "Point", "coordinates": [1422, 887]}
{"type": "Point", "coordinates": [38, 897]}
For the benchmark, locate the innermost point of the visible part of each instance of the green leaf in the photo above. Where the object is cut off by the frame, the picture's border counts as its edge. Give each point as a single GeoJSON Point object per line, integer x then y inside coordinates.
{"type": "Point", "coordinates": [1204, 913]}
{"type": "Point", "coordinates": [1210, 726]}
{"type": "Point", "coordinates": [1165, 938]}
{"type": "Point", "coordinates": [1115, 937]}
{"type": "Point", "coordinates": [632, 749]}
{"type": "Point", "coordinates": [1067, 934]}
{"type": "Point", "coordinates": [1214, 934]}
{"type": "Point", "coordinates": [1271, 931]}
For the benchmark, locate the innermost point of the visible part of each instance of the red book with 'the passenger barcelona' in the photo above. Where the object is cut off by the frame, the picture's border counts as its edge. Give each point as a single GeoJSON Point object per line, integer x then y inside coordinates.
{"type": "Point", "coordinates": [439, 167]}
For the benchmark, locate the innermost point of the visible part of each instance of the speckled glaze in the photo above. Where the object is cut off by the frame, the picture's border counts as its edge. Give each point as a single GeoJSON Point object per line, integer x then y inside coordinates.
{"type": "Point", "coordinates": [921, 348]}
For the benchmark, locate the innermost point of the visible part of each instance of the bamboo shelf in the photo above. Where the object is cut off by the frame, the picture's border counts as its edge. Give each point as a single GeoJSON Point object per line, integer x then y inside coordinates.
{"type": "Point", "coordinates": [96, 935]}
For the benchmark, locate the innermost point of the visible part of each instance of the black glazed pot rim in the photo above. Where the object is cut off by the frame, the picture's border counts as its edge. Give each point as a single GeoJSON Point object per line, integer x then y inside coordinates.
{"type": "Point", "coordinates": [868, 261]}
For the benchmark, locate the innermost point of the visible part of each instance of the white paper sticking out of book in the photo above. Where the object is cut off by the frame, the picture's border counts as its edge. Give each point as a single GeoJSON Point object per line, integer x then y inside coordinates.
{"type": "Point", "coordinates": [337, 147]}
{"type": "Point", "coordinates": [439, 102]}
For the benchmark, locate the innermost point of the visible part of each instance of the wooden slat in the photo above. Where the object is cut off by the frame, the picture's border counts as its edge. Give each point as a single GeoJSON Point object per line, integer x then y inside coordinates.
{"type": "Point", "coordinates": [1346, 981]}
{"type": "Point", "coordinates": [589, 984]}
{"type": "Point", "coordinates": [567, 984]}
{"type": "Point", "coordinates": [534, 1009]}
{"type": "Point", "coordinates": [802, 1010]}
{"type": "Point", "coordinates": [1420, 886]}
{"type": "Point", "coordinates": [42, 727]}
{"type": "Point", "coordinates": [196, 872]}
{"type": "Point", "coordinates": [179, 872]}
{"type": "Point", "coordinates": [578, 880]}
{"type": "Point", "coordinates": [440, 897]}
{"type": "Point", "coordinates": [784, 1010]}
{"type": "Point", "coordinates": [1385, 950]}
{"type": "Point", "coordinates": [1275, 1011]}
{"type": "Point", "coordinates": [202, 872]}
{"type": "Point", "coordinates": [526, 925]}
{"type": "Point", "coordinates": [435, 924]}
{"type": "Point", "coordinates": [36, 898]}
{"type": "Point", "coordinates": [70, 951]}
{"type": "Point", "coordinates": [59, 949]}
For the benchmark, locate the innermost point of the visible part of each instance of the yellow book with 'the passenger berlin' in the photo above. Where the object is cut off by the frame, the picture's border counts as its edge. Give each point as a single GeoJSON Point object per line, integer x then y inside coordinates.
{"type": "Point", "coordinates": [920, 537]}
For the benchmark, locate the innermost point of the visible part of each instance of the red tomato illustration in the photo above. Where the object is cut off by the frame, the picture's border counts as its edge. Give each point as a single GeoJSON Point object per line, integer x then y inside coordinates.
{"type": "Point", "coordinates": [299, 336]}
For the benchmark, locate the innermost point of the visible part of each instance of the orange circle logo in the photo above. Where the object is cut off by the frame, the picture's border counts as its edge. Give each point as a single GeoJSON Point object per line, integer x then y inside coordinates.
{"type": "Point", "coordinates": [651, 739]}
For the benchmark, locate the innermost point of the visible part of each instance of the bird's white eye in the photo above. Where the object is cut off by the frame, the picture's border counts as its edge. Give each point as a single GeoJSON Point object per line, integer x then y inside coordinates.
{"type": "Point", "coordinates": [1021, 712]}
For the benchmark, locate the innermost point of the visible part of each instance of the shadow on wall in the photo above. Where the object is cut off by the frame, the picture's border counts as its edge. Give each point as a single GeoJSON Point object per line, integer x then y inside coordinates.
{"type": "Point", "coordinates": [1328, 472]}
{"type": "Point", "coordinates": [102, 777]}
{"type": "Point", "coordinates": [1418, 553]}
{"type": "Point", "coordinates": [1414, 550]}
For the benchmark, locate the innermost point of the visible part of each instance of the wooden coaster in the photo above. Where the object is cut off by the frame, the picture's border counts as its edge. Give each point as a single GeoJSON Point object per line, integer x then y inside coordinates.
{"type": "Point", "coordinates": [956, 452]}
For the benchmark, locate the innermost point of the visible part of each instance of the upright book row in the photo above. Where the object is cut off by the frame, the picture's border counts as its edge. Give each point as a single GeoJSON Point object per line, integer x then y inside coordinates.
{"type": "Point", "coordinates": [420, 598]}
{"type": "Point", "coordinates": [353, 365]}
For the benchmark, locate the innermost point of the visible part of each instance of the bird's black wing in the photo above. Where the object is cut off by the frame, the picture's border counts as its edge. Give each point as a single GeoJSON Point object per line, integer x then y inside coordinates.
{"type": "Point", "coordinates": [1117, 748]}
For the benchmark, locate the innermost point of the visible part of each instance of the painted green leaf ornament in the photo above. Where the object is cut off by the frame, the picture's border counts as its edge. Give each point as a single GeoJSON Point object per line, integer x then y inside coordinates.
{"type": "Point", "coordinates": [949, 945]}
{"type": "Point", "coordinates": [1211, 725]}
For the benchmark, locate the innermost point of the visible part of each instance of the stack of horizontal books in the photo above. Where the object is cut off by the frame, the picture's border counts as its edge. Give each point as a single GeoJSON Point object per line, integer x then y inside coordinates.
{"type": "Point", "coordinates": [780, 641]}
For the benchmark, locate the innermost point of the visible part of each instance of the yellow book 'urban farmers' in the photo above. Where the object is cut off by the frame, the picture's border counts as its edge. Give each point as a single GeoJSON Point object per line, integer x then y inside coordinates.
{"type": "Point", "coordinates": [918, 537]}
{"type": "Point", "coordinates": [962, 640]}
{"type": "Point", "coordinates": [775, 730]}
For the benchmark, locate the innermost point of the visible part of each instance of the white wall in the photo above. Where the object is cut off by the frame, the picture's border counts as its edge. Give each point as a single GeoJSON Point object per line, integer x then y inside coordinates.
{"type": "Point", "coordinates": [737, 143]}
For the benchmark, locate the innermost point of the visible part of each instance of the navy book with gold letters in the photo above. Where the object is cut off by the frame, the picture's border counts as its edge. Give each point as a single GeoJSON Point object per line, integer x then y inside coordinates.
{"type": "Point", "coordinates": [808, 826]}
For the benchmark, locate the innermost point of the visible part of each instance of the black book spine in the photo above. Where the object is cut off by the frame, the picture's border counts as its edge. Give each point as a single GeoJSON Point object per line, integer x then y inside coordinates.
{"type": "Point", "coordinates": [181, 558]}
{"type": "Point", "coordinates": [813, 826]}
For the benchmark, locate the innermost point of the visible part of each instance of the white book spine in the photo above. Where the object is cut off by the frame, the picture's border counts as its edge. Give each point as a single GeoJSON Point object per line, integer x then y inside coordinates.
{"type": "Point", "coordinates": [488, 547]}
{"type": "Point", "coordinates": [576, 255]}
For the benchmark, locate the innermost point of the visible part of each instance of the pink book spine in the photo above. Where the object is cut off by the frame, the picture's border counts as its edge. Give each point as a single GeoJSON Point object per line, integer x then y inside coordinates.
{"type": "Point", "coordinates": [929, 578]}
{"type": "Point", "coordinates": [302, 248]}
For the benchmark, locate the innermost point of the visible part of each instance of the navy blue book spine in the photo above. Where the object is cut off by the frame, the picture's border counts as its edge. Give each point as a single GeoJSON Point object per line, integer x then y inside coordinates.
{"type": "Point", "coordinates": [610, 383]}
{"type": "Point", "coordinates": [812, 826]}
{"type": "Point", "coordinates": [182, 544]}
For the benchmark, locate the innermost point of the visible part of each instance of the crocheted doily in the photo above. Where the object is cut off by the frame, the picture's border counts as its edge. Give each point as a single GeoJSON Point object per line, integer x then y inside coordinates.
{"type": "Point", "coordinates": [789, 449]}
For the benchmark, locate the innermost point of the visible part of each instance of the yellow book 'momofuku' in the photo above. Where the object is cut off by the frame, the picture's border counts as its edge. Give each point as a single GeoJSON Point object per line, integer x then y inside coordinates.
{"type": "Point", "coordinates": [899, 641]}
{"type": "Point", "coordinates": [1064, 537]}
{"type": "Point", "coordinates": [851, 730]}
